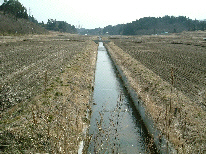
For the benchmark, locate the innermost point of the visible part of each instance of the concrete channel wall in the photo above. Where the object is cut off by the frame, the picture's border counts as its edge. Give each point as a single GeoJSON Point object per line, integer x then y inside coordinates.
{"type": "Point", "coordinates": [162, 144]}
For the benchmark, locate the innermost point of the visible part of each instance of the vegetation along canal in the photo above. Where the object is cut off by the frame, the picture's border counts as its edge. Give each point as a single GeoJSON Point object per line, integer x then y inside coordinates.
{"type": "Point", "coordinates": [115, 125]}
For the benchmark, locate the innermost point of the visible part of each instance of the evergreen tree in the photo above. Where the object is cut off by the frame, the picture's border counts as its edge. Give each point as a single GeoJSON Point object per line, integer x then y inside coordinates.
{"type": "Point", "coordinates": [152, 25]}
{"type": "Point", "coordinates": [14, 7]}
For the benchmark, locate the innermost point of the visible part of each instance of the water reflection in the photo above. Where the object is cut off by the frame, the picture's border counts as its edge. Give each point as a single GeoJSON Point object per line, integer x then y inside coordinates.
{"type": "Point", "coordinates": [115, 125]}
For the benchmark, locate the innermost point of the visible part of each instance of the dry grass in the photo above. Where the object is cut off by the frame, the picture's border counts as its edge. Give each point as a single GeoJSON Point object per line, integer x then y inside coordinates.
{"type": "Point", "coordinates": [184, 53]}
{"type": "Point", "coordinates": [183, 121]}
{"type": "Point", "coordinates": [52, 77]}
{"type": "Point", "coordinates": [107, 136]}
{"type": "Point", "coordinates": [9, 25]}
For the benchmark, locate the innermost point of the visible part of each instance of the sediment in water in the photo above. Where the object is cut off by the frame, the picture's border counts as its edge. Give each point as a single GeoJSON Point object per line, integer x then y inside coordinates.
{"type": "Point", "coordinates": [162, 144]}
{"type": "Point", "coordinates": [108, 91]}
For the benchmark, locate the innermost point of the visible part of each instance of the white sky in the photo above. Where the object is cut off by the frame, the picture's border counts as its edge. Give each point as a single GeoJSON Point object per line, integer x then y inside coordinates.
{"type": "Point", "coordinates": [93, 13]}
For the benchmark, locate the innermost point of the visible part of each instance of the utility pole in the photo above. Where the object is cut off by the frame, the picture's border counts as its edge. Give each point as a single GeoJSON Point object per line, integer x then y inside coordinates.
{"type": "Point", "coordinates": [78, 25]}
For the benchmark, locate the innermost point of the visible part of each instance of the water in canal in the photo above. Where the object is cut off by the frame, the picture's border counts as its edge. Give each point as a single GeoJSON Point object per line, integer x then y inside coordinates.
{"type": "Point", "coordinates": [115, 125]}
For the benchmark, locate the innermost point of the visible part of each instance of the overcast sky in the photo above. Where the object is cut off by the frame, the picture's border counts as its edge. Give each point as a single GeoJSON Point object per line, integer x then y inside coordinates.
{"type": "Point", "coordinates": [93, 13]}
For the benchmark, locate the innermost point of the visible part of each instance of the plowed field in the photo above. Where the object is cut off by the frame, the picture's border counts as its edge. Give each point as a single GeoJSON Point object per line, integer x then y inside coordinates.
{"type": "Point", "coordinates": [185, 54]}
{"type": "Point", "coordinates": [46, 85]}
{"type": "Point", "coordinates": [168, 73]}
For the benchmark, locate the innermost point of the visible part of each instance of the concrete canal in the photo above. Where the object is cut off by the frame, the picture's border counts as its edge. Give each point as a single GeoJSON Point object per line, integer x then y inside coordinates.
{"type": "Point", "coordinates": [115, 126]}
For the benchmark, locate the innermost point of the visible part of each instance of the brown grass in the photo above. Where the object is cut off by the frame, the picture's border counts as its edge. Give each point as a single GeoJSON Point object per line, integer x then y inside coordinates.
{"type": "Point", "coordinates": [10, 26]}
{"type": "Point", "coordinates": [46, 88]}
{"type": "Point", "coordinates": [185, 122]}
{"type": "Point", "coordinates": [161, 53]}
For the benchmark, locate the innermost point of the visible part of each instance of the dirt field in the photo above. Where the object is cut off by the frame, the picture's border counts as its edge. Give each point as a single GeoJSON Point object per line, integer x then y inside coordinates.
{"type": "Point", "coordinates": [186, 54]}
{"type": "Point", "coordinates": [169, 74]}
{"type": "Point", "coordinates": [46, 85]}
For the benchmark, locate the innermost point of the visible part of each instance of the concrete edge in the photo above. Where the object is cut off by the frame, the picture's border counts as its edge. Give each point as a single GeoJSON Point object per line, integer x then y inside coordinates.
{"type": "Point", "coordinates": [85, 131]}
{"type": "Point", "coordinates": [162, 144]}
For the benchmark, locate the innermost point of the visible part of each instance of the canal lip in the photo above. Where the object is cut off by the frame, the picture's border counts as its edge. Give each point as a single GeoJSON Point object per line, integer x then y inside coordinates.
{"type": "Point", "coordinates": [162, 144]}
{"type": "Point", "coordinates": [104, 41]}
{"type": "Point", "coordinates": [83, 144]}
{"type": "Point", "coordinates": [148, 140]}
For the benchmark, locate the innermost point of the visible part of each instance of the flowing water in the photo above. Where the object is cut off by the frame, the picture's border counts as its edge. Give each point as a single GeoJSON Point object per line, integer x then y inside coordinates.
{"type": "Point", "coordinates": [115, 126]}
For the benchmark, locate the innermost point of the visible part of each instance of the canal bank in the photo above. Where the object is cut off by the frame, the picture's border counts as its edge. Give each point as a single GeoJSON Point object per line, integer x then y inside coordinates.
{"type": "Point", "coordinates": [160, 140]}
{"type": "Point", "coordinates": [115, 125]}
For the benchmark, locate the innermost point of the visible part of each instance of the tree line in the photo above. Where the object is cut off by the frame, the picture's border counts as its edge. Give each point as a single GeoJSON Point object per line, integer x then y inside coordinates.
{"type": "Point", "coordinates": [152, 25]}
{"type": "Point", "coordinates": [15, 8]}
{"type": "Point", "coordinates": [53, 24]}
{"type": "Point", "coordinates": [61, 26]}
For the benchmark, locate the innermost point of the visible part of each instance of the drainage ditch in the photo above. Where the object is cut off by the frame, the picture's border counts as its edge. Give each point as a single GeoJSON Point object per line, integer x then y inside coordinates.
{"type": "Point", "coordinates": [115, 124]}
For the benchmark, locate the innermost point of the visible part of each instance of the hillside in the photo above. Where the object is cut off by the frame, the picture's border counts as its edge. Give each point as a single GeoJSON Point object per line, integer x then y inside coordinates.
{"type": "Point", "coordinates": [152, 25]}
{"type": "Point", "coordinates": [9, 25]}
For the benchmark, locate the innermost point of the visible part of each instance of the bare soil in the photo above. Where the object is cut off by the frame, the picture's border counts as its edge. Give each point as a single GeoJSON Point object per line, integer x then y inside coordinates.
{"type": "Point", "coordinates": [46, 86]}
{"type": "Point", "coordinates": [168, 73]}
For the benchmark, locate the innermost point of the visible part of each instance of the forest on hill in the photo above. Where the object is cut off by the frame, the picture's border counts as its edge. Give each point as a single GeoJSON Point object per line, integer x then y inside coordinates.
{"type": "Point", "coordinates": [13, 10]}
{"type": "Point", "coordinates": [153, 25]}
{"type": "Point", "coordinates": [14, 19]}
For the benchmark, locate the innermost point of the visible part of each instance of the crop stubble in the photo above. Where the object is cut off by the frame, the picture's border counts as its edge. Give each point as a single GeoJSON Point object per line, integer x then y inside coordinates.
{"type": "Point", "coordinates": [148, 61]}
{"type": "Point", "coordinates": [188, 61]}
{"type": "Point", "coordinates": [46, 84]}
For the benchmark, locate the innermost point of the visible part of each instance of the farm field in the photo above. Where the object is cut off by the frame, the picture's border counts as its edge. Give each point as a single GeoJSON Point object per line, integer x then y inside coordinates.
{"type": "Point", "coordinates": [169, 74]}
{"type": "Point", "coordinates": [46, 85]}
{"type": "Point", "coordinates": [47, 81]}
{"type": "Point", "coordinates": [185, 53]}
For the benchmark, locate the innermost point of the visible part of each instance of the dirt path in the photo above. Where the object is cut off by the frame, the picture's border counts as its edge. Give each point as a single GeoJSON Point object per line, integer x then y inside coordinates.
{"type": "Point", "coordinates": [175, 114]}
{"type": "Point", "coordinates": [46, 85]}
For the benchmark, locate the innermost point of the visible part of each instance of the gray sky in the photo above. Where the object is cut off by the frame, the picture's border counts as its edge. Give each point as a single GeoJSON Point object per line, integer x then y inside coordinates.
{"type": "Point", "coordinates": [94, 13]}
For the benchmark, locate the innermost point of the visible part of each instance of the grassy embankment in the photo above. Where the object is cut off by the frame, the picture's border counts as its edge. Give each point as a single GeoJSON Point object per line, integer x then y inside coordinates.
{"type": "Point", "coordinates": [10, 26]}
{"type": "Point", "coordinates": [168, 74]}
